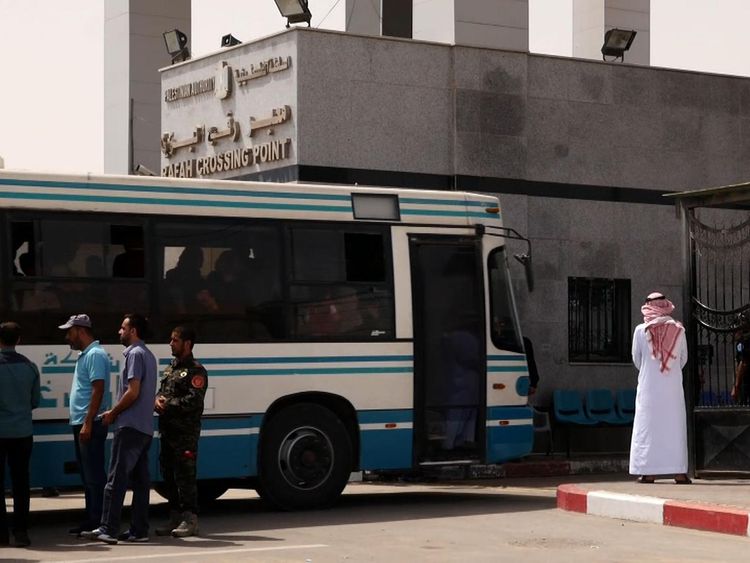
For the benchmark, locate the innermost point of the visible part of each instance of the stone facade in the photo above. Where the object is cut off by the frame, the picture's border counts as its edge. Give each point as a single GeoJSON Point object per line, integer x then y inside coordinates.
{"type": "Point", "coordinates": [578, 151]}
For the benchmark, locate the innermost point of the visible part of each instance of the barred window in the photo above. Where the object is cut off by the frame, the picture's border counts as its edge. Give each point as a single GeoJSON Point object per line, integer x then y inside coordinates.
{"type": "Point", "coordinates": [598, 320]}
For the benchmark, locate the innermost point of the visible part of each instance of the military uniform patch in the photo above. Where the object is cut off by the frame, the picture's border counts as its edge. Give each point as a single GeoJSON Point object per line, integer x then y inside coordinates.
{"type": "Point", "coordinates": [198, 381]}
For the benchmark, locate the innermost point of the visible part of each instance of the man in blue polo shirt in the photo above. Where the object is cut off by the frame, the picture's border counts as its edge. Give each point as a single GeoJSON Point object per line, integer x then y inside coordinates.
{"type": "Point", "coordinates": [89, 397]}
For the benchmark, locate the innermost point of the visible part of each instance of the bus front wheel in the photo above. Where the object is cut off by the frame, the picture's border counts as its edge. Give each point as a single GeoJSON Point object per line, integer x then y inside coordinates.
{"type": "Point", "coordinates": [305, 457]}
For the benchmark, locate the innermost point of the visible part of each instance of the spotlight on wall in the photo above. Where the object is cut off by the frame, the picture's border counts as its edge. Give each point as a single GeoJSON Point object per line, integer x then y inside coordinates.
{"type": "Point", "coordinates": [616, 42]}
{"type": "Point", "coordinates": [176, 43]}
{"type": "Point", "coordinates": [229, 40]}
{"type": "Point", "coordinates": [295, 11]}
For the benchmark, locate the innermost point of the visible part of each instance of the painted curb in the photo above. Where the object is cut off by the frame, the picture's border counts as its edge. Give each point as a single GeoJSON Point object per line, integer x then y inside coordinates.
{"type": "Point", "coordinates": [636, 508]}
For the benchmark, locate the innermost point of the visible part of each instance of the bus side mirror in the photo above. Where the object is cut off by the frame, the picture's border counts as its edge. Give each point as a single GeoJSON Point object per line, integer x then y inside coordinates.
{"type": "Point", "coordinates": [525, 259]}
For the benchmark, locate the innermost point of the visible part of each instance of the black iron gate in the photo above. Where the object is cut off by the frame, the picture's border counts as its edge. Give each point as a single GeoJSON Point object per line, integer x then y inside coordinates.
{"type": "Point", "coordinates": [717, 288]}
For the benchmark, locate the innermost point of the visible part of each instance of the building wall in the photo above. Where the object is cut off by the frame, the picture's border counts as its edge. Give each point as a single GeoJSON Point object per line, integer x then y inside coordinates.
{"type": "Point", "coordinates": [134, 51]}
{"type": "Point", "coordinates": [501, 24]}
{"type": "Point", "coordinates": [256, 98]}
{"type": "Point", "coordinates": [578, 151]}
{"type": "Point", "coordinates": [116, 141]}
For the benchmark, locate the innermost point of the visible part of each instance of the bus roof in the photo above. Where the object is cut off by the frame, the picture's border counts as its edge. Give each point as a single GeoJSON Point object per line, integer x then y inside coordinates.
{"type": "Point", "coordinates": [229, 198]}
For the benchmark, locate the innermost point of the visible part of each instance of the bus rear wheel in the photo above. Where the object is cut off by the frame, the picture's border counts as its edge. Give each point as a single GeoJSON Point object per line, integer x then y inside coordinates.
{"type": "Point", "coordinates": [305, 458]}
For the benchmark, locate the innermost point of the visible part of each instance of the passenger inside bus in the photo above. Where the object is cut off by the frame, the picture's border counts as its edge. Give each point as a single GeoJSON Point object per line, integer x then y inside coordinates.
{"type": "Point", "coordinates": [57, 259]}
{"type": "Point", "coordinates": [231, 286]}
{"type": "Point", "coordinates": [228, 283]}
{"type": "Point", "coordinates": [130, 263]}
{"type": "Point", "coordinates": [185, 286]}
{"type": "Point", "coordinates": [462, 371]}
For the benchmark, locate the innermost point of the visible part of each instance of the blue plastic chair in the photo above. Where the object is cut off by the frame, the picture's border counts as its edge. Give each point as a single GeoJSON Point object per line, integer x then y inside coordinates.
{"type": "Point", "coordinates": [600, 407]}
{"type": "Point", "coordinates": [625, 404]}
{"type": "Point", "coordinates": [568, 410]}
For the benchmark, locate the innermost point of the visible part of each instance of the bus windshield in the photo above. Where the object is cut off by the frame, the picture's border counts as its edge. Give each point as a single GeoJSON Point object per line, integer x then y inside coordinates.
{"type": "Point", "coordinates": [504, 330]}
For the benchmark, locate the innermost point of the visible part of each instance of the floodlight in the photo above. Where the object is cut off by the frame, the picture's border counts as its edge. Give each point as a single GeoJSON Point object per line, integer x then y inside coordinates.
{"type": "Point", "coordinates": [616, 42]}
{"type": "Point", "coordinates": [295, 11]}
{"type": "Point", "coordinates": [229, 40]}
{"type": "Point", "coordinates": [176, 43]}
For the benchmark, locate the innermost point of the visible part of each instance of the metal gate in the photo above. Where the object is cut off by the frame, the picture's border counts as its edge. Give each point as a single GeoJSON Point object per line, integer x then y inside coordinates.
{"type": "Point", "coordinates": [717, 287]}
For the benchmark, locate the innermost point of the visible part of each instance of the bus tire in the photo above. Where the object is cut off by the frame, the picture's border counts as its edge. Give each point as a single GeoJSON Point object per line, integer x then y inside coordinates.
{"type": "Point", "coordinates": [305, 458]}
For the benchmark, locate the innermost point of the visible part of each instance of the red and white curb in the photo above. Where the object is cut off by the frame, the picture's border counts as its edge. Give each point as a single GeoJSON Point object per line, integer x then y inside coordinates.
{"type": "Point", "coordinates": [710, 518]}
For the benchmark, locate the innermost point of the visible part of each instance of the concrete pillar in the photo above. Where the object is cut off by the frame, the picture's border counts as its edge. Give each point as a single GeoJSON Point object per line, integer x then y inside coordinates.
{"type": "Point", "coordinates": [592, 18]}
{"type": "Point", "coordinates": [632, 14]}
{"type": "Point", "coordinates": [363, 17]}
{"type": "Point", "coordinates": [588, 28]}
{"type": "Point", "coordinates": [498, 24]}
{"type": "Point", "coordinates": [133, 52]}
{"type": "Point", "coordinates": [434, 21]}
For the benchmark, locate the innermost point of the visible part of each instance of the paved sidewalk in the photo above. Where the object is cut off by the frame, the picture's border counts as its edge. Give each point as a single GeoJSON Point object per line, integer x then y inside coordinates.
{"type": "Point", "coordinates": [711, 505]}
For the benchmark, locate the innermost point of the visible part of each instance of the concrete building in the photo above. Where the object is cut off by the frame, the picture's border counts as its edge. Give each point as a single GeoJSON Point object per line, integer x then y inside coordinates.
{"type": "Point", "coordinates": [133, 53]}
{"type": "Point", "coordinates": [579, 152]}
{"type": "Point", "coordinates": [134, 48]}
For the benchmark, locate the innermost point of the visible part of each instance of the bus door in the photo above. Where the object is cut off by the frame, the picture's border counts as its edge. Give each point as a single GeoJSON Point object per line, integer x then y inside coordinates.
{"type": "Point", "coordinates": [449, 349]}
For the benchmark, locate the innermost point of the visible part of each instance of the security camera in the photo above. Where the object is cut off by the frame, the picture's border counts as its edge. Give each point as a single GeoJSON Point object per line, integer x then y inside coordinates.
{"type": "Point", "coordinates": [143, 171]}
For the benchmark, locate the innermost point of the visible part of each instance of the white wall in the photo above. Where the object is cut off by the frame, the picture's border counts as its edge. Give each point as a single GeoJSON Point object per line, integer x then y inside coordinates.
{"type": "Point", "coordinates": [551, 27]}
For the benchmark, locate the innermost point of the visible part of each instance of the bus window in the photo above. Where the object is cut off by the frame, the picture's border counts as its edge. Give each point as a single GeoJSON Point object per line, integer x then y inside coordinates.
{"type": "Point", "coordinates": [224, 279]}
{"type": "Point", "coordinates": [23, 249]}
{"type": "Point", "coordinates": [504, 328]}
{"type": "Point", "coordinates": [339, 285]}
{"type": "Point", "coordinates": [62, 267]}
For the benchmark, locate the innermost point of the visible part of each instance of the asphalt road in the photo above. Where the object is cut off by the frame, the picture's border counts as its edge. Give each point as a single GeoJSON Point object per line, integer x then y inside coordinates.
{"type": "Point", "coordinates": [516, 521]}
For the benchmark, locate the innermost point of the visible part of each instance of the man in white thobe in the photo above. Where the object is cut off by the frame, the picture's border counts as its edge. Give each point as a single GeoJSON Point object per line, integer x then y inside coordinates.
{"type": "Point", "coordinates": [659, 442]}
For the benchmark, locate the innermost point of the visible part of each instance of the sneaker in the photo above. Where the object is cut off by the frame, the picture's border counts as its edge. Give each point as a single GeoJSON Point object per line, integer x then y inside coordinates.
{"type": "Point", "coordinates": [130, 537]}
{"type": "Point", "coordinates": [99, 534]}
{"type": "Point", "coordinates": [22, 538]}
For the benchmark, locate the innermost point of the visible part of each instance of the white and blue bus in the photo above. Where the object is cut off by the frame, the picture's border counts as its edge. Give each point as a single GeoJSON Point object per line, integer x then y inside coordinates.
{"type": "Point", "coordinates": [343, 328]}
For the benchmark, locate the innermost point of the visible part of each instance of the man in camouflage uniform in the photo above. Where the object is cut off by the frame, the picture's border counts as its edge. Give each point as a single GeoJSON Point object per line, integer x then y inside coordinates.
{"type": "Point", "coordinates": [179, 403]}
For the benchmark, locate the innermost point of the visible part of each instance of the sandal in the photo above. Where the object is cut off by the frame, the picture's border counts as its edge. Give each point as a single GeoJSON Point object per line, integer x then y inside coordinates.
{"type": "Point", "coordinates": [684, 480]}
{"type": "Point", "coordinates": [645, 479]}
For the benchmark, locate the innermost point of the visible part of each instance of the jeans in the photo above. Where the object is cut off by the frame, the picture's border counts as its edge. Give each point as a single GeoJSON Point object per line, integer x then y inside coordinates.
{"type": "Point", "coordinates": [17, 452]}
{"type": "Point", "coordinates": [90, 457]}
{"type": "Point", "coordinates": [129, 463]}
